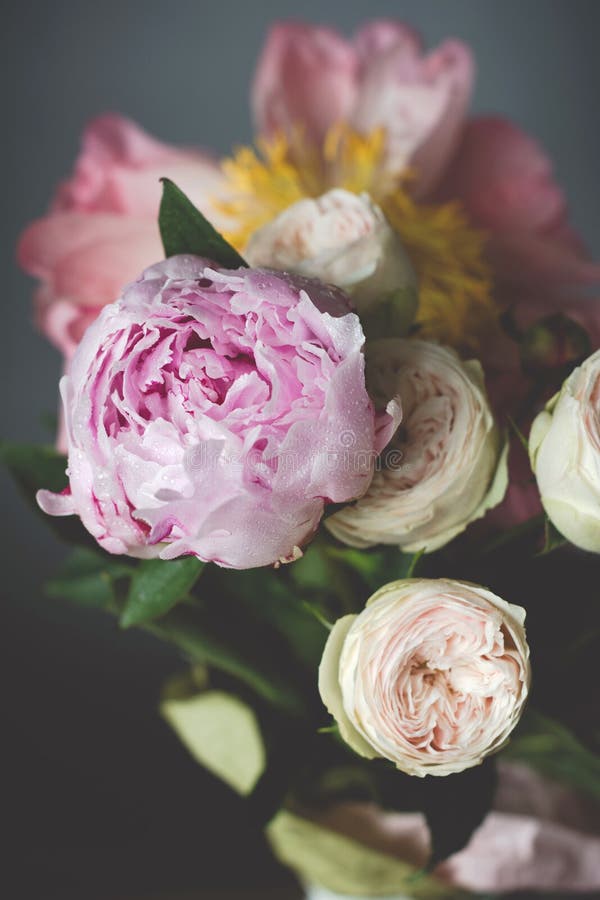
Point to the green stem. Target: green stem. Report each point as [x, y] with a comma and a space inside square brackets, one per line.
[202, 647]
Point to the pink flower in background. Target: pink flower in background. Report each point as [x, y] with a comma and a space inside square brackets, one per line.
[215, 412]
[101, 229]
[539, 835]
[506, 183]
[312, 77]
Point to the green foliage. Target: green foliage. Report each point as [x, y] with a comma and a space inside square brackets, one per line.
[553, 539]
[34, 467]
[88, 579]
[393, 316]
[193, 633]
[184, 229]
[157, 586]
[551, 749]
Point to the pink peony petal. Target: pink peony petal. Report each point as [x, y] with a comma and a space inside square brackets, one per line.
[503, 178]
[306, 77]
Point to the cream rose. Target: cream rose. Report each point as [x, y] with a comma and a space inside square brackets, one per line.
[432, 675]
[343, 239]
[564, 447]
[446, 465]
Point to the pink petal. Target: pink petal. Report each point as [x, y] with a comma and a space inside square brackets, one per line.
[503, 177]
[422, 102]
[527, 258]
[306, 77]
[55, 504]
[119, 170]
[515, 852]
[381, 35]
[88, 258]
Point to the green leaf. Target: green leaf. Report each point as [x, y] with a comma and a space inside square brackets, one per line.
[553, 539]
[184, 229]
[393, 316]
[88, 579]
[35, 467]
[222, 734]
[519, 434]
[268, 596]
[157, 585]
[195, 638]
[550, 748]
[346, 866]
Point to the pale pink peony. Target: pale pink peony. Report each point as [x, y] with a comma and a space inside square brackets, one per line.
[101, 229]
[311, 77]
[432, 675]
[211, 411]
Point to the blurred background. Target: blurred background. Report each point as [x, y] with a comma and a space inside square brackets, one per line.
[101, 800]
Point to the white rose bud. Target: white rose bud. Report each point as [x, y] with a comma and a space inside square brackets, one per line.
[564, 447]
[446, 465]
[432, 675]
[343, 239]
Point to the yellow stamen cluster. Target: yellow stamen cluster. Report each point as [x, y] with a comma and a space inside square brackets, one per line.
[455, 303]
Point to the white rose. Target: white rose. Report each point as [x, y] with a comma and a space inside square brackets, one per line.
[343, 239]
[564, 447]
[446, 465]
[432, 675]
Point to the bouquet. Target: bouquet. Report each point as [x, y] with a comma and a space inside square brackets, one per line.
[330, 425]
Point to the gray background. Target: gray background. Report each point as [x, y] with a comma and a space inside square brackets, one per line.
[182, 69]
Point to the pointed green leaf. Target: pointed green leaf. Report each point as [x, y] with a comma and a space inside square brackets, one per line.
[553, 539]
[88, 579]
[157, 585]
[184, 229]
[34, 467]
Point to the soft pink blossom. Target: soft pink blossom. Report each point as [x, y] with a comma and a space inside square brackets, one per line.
[215, 412]
[312, 77]
[506, 183]
[432, 675]
[101, 229]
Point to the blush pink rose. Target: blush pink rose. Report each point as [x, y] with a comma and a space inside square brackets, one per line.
[312, 77]
[210, 412]
[101, 228]
[432, 675]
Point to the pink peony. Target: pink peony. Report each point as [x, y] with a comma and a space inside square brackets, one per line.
[312, 77]
[101, 229]
[215, 413]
